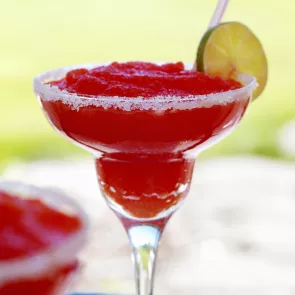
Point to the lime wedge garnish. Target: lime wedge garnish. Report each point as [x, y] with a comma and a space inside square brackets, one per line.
[230, 49]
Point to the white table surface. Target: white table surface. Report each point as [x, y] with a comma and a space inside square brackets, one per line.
[235, 234]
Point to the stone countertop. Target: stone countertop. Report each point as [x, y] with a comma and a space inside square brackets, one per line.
[234, 234]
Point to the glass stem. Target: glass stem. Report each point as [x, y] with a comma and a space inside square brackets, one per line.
[144, 239]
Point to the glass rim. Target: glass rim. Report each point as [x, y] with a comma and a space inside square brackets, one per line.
[51, 258]
[53, 93]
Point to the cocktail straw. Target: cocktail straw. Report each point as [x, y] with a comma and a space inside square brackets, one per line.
[216, 17]
[218, 13]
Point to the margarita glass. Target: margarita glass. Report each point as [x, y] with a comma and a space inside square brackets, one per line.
[51, 269]
[144, 150]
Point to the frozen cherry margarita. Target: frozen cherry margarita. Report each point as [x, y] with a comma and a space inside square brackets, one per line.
[41, 233]
[145, 123]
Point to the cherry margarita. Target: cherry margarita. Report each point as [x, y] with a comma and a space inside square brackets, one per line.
[145, 123]
[38, 245]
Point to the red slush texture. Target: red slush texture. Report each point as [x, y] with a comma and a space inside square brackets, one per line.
[28, 226]
[143, 161]
[144, 186]
[135, 79]
[52, 284]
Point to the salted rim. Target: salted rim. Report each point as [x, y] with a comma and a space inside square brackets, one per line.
[46, 92]
[53, 257]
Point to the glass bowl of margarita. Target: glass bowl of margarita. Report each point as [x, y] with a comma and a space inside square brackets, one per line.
[144, 123]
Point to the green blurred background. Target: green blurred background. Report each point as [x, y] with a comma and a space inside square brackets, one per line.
[37, 35]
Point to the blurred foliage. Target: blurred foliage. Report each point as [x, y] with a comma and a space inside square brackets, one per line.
[40, 35]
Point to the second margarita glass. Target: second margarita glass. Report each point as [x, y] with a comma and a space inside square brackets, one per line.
[50, 217]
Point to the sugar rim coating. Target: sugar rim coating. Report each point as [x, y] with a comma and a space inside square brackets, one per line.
[47, 92]
[44, 261]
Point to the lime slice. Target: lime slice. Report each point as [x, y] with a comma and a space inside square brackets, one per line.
[229, 49]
